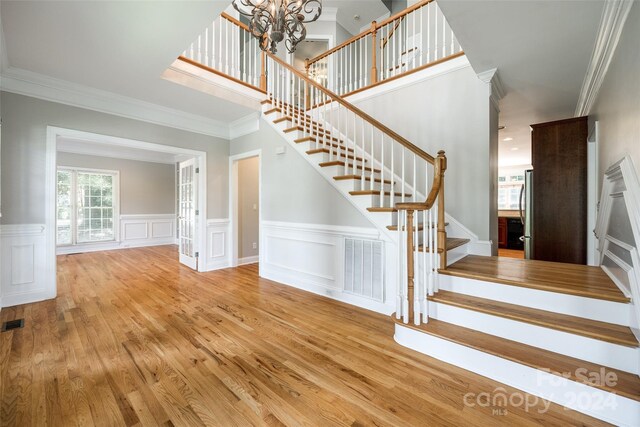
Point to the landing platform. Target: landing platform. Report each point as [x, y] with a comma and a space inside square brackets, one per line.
[573, 279]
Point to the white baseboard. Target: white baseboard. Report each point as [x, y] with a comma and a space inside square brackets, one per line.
[248, 260]
[594, 402]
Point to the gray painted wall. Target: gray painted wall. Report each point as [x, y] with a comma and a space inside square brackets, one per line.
[451, 112]
[617, 107]
[248, 196]
[292, 191]
[25, 120]
[145, 188]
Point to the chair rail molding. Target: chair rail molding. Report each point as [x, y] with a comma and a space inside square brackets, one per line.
[612, 22]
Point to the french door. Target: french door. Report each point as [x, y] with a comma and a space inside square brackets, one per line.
[188, 212]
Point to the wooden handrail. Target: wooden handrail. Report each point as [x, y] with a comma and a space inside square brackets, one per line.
[235, 21]
[340, 46]
[397, 16]
[438, 179]
[226, 76]
[401, 140]
[393, 31]
[404, 12]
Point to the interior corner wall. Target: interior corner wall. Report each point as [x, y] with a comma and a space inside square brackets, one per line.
[25, 121]
[292, 191]
[145, 187]
[248, 207]
[617, 107]
[450, 112]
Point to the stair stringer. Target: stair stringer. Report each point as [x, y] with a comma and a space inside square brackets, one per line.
[454, 229]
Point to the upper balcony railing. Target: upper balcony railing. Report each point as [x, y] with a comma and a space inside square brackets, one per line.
[414, 39]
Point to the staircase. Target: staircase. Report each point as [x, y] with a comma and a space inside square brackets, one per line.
[556, 331]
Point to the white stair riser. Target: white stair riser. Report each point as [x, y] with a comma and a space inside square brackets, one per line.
[377, 201]
[347, 185]
[574, 395]
[596, 351]
[335, 155]
[589, 308]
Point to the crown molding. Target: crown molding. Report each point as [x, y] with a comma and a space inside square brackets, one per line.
[492, 77]
[36, 85]
[244, 126]
[614, 15]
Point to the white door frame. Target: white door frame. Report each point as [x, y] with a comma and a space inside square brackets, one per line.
[53, 133]
[233, 203]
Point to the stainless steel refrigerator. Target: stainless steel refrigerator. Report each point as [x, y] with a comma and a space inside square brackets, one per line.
[526, 213]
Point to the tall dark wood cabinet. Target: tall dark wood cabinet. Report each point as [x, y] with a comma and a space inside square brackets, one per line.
[559, 159]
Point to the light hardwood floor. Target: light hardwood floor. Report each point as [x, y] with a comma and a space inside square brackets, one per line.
[133, 338]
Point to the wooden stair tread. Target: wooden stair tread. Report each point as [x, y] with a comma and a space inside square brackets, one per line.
[265, 101]
[326, 135]
[304, 121]
[573, 279]
[603, 331]
[375, 193]
[358, 177]
[382, 209]
[627, 385]
[451, 243]
[341, 163]
[336, 153]
[420, 226]
[339, 146]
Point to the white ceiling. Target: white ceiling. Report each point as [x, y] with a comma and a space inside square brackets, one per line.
[123, 47]
[541, 50]
[367, 10]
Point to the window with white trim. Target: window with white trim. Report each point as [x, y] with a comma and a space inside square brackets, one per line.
[86, 207]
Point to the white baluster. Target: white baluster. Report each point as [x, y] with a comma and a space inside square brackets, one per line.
[421, 35]
[444, 41]
[405, 271]
[191, 54]
[392, 176]
[381, 168]
[206, 46]
[413, 196]
[400, 268]
[425, 241]
[402, 179]
[415, 39]
[363, 176]
[365, 78]
[417, 299]
[373, 158]
[200, 49]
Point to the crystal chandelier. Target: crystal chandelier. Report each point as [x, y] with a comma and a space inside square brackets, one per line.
[277, 19]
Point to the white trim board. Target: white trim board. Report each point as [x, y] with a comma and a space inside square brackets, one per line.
[50, 189]
[24, 82]
[612, 22]
[233, 202]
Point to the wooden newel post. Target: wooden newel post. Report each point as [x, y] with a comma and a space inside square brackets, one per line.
[263, 70]
[374, 52]
[263, 65]
[307, 87]
[442, 232]
[410, 252]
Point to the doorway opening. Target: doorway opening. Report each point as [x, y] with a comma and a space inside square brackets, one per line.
[96, 198]
[245, 207]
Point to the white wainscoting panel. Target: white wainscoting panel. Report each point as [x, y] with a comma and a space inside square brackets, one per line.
[312, 257]
[24, 275]
[135, 231]
[218, 235]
